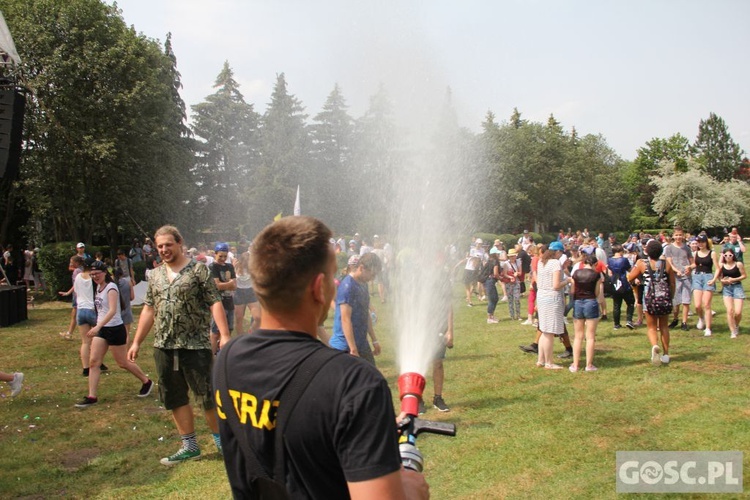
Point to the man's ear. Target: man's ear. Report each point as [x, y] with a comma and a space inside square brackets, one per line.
[318, 287]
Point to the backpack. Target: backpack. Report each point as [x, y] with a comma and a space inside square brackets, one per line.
[658, 297]
[484, 272]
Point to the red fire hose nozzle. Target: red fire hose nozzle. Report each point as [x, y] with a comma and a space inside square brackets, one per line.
[410, 388]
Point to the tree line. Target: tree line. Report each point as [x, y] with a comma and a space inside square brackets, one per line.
[108, 153]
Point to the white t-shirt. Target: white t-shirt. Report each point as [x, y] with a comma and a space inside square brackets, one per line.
[102, 305]
[84, 291]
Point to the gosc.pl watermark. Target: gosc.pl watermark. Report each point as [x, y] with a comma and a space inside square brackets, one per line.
[679, 472]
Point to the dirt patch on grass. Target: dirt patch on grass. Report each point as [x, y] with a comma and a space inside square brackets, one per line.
[74, 460]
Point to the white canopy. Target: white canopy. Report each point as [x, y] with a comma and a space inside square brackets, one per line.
[7, 47]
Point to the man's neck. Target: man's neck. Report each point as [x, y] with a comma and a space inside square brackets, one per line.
[178, 264]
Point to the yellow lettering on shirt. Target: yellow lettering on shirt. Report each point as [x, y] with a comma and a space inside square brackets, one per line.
[248, 411]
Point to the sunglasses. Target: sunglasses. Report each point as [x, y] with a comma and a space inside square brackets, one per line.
[727, 255]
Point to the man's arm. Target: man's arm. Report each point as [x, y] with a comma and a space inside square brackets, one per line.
[220, 318]
[399, 485]
[145, 322]
[346, 325]
[371, 333]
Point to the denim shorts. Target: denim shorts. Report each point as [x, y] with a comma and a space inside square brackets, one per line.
[586, 309]
[683, 293]
[243, 296]
[700, 282]
[86, 317]
[230, 322]
[734, 290]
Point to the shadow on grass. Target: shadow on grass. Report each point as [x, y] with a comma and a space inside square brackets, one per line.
[611, 361]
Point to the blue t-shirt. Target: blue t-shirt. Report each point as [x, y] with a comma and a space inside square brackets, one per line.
[620, 267]
[355, 295]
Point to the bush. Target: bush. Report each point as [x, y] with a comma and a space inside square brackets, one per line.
[53, 261]
[139, 269]
[508, 240]
[487, 238]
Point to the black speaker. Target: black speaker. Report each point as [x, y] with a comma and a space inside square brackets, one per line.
[12, 106]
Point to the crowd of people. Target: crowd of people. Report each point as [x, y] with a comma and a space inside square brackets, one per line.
[197, 298]
[577, 272]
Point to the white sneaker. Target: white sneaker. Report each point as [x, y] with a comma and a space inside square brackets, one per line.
[734, 335]
[665, 359]
[655, 355]
[482, 298]
[713, 313]
[16, 384]
[528, 322]
[700, 324]
[491, 321]
[708, 332]
[504, 299]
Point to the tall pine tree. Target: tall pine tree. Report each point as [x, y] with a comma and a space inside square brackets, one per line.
[716, 150]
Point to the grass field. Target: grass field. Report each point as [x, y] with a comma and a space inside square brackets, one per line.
[523, 432]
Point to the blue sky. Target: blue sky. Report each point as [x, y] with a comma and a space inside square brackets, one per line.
[629, 70]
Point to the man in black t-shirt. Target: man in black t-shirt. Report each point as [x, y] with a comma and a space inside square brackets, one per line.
[340, 440]
[225, 278]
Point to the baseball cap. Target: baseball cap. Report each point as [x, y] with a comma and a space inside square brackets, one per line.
[701, 237]
[81, 245]
[221, 247]
[556, 246]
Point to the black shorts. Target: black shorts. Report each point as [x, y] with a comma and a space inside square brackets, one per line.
[470, 276]
[114, 335]
[182, 370]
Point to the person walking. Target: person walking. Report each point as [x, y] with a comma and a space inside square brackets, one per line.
[705, 273]
[180, 301]
[653, 270]
[109, 334]
[618, 267]
[732, 273]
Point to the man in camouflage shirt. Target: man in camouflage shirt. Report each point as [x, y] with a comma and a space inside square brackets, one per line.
[180, 301]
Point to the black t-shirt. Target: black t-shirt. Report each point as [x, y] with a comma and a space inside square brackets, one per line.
[224, 273]
[342, 429]
[585, 281]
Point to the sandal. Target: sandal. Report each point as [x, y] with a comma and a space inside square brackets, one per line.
[552, 366]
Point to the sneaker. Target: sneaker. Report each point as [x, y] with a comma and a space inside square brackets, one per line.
[713, 313]
[532, 348]
[734, 335]
[66, 335]
[630, 325]
[504, 299]
[591, 368]
[673, 323]
[617, 327]
[528, 322]
[701, 325]
[573, 368]
[565, 354]
[665, 359]
[16, 384]
[422, 408]
[469, 304]
[639, 322]
[438, 403]
[181, 456]
[86, 402]
[552, 366]
[146, 389]
[604, 317]
[85, 372]
[482, 298]
[708, 332]
[685, 327]
[656, 355]
[491, 321]
[103, 367]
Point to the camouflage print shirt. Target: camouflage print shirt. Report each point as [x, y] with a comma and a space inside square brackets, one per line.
[182, 313]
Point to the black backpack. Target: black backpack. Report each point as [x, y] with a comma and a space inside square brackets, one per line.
[485, 270]
[658, 296]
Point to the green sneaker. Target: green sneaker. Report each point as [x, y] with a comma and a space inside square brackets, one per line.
[181, 456]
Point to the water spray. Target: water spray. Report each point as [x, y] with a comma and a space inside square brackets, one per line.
[410, 388]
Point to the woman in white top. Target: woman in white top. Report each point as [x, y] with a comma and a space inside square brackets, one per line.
[550, 302]
[244, 295]
[85, 312]
[109, 332]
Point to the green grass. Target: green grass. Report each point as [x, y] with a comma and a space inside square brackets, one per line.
[523, 432]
